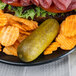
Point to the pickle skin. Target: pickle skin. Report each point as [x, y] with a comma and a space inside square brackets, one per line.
[31, 47]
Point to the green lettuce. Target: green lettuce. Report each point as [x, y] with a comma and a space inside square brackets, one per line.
[2, 5]
[37, 11]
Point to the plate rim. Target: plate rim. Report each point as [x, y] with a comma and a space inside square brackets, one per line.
[38, 63]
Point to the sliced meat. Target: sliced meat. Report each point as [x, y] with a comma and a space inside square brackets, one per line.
[73, 1]
[45, 3]
[36, 2]
[62, 4]
[25, 2]
[66, 3]
[59, 5]
[9, 1]
[72, 5]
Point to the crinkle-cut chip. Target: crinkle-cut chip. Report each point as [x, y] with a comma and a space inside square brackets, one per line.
[1, 28]
[32, 24]
[25, 32]
[65, 42]
[16, 24]
[3, 20]
[52, 48]
[27, 28]
[68, 27]
[1, 11]
[9, 35]
[19, 25]
[21, 37]
[74, 39]
[16, 44]
[0, 47]
[35, 24]
[10, 50]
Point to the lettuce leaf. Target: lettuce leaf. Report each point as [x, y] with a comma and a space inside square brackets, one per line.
[2, 5]
[37, 11]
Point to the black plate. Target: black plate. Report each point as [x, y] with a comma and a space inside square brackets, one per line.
[40, 60]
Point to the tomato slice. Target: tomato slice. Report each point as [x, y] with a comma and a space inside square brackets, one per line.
[55, 10]
[15, 4]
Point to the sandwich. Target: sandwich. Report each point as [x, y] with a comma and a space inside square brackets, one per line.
[20, 34]
[40, 10]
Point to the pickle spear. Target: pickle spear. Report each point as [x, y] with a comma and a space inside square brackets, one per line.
[38, 41]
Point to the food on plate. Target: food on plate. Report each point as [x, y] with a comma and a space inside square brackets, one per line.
[28, 23]
[68, 27]
[66, 38]
[66, 43]
[1, 11]
[13, 31]
[8, 35]
[59, 4]
[21, 37]
[30, 48]
[3, 20]
[53, 47]
[16, 44]
[0, 47]
[10, 50]
[32, 27]
[39, 13]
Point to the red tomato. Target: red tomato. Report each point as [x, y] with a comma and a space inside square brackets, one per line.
[15, 4]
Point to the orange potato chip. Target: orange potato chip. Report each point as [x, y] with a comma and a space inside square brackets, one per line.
[3, 20]
[10, 50]
[16, 44]
[74, 39]
[68, 27]
[9, 35]
[32, 24]
[52, 48]
[27, 28]
[65, 42]
[16, 24]
[25, 32]
[21, 37]
[1, 28]
[1, 11]
[0, 47]
[19, 25]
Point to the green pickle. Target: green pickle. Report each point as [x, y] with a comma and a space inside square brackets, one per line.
[38, 41]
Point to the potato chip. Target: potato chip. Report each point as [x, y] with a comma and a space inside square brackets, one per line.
[52, 48]
[65, 42]
[10, 50]
[16, 44]
[0, 47]
[1, 28]
[16, 24]
[3, 20]
[9, 35]
[19, 25]
[35, 23]
[68, 27]
[32, 24]
[6, 51]
[25, 32]
[1, 11]
[21, 37]
[74, 39]
[27, 28]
